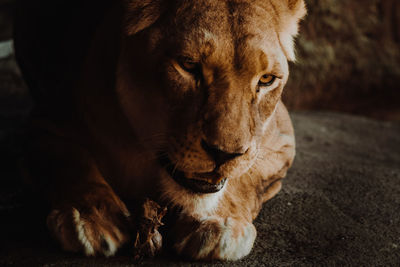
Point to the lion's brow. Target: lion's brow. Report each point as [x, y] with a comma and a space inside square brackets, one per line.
[268, 64]
[209, 42]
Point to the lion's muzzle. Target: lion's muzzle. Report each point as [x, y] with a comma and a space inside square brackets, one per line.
[204, 183]
[220, 156]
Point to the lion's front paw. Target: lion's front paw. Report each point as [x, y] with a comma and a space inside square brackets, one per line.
[222, 239]
[93, 231]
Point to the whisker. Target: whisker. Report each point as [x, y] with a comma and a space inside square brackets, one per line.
[174, 170]
[251, 178]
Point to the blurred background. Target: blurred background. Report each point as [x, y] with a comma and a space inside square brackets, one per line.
[348, 61]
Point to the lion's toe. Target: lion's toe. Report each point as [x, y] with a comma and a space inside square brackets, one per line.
[216, 239]
[91, 233]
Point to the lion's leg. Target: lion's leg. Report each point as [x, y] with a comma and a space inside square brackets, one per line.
[87, 216]
[272, 190]
[271, 173]
[278, 153]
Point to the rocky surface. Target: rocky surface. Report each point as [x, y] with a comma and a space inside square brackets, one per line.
[6, 14]
[348, 58]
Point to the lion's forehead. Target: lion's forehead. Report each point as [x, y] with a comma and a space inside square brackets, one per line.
[241, 35]
[237, 20]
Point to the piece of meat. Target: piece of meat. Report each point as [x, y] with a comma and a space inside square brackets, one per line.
[148, 239]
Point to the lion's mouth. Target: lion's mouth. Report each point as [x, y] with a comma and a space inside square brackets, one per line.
[194, 185]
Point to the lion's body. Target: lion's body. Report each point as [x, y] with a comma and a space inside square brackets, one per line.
[133, 103]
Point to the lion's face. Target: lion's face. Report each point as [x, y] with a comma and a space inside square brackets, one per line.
[199, 80]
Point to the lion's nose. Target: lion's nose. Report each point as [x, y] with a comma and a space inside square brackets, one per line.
[219, 156]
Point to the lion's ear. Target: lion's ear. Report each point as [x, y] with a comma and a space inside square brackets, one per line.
[140, 14]
[291, 11]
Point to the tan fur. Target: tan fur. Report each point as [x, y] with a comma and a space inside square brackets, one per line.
[135, 101]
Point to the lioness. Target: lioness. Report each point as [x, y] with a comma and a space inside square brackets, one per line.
[176, 100]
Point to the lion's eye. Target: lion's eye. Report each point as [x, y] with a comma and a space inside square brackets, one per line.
[266, 80]
[190, 66]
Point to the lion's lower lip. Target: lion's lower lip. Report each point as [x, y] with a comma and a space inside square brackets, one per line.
[199, 186]
[195, 185]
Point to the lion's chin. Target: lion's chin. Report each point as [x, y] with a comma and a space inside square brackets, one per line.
[192, 184]
[199, 186]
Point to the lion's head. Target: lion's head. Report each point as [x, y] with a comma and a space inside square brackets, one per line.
[208, 75]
